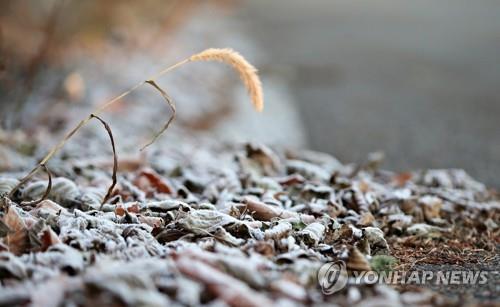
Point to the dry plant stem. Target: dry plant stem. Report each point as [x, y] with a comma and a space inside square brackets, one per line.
[82, 123]
[246, 70]
[24, 180]
[172, 117]
[115, 158]
[47, 191]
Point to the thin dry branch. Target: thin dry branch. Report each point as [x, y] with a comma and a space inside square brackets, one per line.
[115, 158]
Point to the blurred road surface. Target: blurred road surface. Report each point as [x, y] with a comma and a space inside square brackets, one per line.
[419, 80]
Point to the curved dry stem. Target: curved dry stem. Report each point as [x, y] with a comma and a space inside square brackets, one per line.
[247, 72]
[172, 117]
[23, 181]
[115, 158]
[47, 191]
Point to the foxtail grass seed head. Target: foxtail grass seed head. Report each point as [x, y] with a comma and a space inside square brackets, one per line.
[247, 72]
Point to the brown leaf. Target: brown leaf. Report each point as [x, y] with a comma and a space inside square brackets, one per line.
[431, 207]
[291, 180]
[4, 229]
[17, 239]
[134, 208]
[357, 261]
[264, 248]
[119, 210]
[366, 219]
[152, 221]
[263, 211]
[47, 207]
[49, 238]
[401, 178]
[230, 290]
[148, 179]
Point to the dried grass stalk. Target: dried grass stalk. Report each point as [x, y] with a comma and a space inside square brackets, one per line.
[170, 104]
[247, 72]
[115, 158]
[47, 190]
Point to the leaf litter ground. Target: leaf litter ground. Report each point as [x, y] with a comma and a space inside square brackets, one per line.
[238, 224]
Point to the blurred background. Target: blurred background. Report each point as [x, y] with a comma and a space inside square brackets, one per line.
[418, 80]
